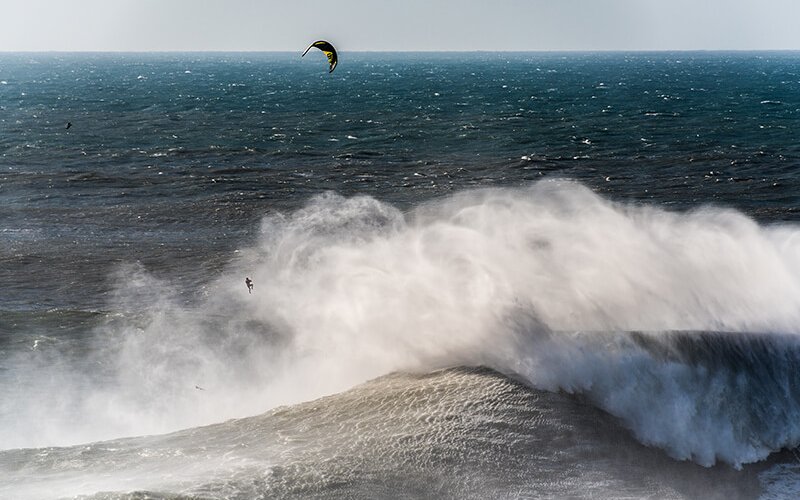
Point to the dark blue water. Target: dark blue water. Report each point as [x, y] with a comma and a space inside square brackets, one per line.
[189, 150]
[181, 173]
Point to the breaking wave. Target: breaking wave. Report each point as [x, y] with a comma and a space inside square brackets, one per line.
[682, 325]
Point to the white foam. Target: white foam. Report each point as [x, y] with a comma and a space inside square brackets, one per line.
[350, 289]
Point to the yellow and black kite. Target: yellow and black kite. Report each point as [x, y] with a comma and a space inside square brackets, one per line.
[329, 51]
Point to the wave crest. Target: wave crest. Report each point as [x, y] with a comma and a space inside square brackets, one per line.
[545, 282]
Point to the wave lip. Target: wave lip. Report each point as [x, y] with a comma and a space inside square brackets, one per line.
[700, 396]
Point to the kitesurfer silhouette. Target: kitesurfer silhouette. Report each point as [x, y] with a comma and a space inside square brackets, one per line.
[249, 283]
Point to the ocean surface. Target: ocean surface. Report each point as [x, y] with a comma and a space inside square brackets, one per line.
[476, 275]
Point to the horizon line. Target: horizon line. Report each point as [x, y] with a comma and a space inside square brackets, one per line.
[423, 51]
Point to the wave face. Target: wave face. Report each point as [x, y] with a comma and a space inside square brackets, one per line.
[458, 433]
[547, 283]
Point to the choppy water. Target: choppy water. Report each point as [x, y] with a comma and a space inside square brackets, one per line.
[613, 236]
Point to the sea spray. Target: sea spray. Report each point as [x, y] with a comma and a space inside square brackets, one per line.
[348, 289]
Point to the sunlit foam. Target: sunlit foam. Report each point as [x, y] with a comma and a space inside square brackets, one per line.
[347, 289]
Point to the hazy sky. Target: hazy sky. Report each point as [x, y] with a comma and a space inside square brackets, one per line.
[357, 25]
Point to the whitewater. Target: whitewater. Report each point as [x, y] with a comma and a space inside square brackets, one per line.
[681, 325]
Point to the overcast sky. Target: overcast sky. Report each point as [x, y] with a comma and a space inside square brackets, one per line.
[359, 25]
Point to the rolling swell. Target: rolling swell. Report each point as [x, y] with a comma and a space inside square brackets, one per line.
[457, 433]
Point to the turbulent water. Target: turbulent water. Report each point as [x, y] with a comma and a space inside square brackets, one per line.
[489, 275]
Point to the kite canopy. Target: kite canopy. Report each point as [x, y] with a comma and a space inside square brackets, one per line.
[329, 51]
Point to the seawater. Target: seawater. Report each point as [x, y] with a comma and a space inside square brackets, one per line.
[611, 235]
